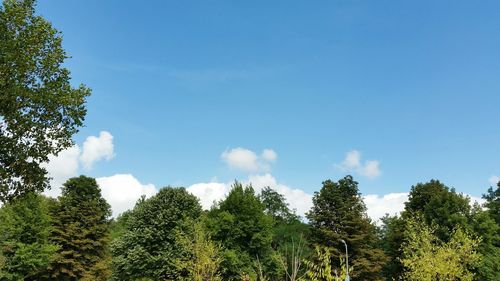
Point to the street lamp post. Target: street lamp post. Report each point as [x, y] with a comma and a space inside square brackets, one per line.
[346, 261]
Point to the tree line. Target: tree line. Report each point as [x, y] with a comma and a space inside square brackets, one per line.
[246, 236]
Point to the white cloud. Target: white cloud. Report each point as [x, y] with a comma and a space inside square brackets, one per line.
[379, 205]
[61, 168]
[269, 155]
[247, 160]
[208, 193]
[122, 191]
[494, 180]
[352, 163]
[67, 163]
[97, 148]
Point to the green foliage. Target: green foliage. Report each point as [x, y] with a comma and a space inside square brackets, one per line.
[39, 109]
[439, 205]
[153, 244]
[321, 269]
[338, 213]
[275, 205]
[442, 207]
[25, 249]
[205, 261]
[245, 231]
[427, 258]
[81, 228]
[392, 234]
[493, 202]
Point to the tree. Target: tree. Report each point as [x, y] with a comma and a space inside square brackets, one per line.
[39, 109]
[439, 205]
[492, 198]
[427, 258]
[245, 231]
[25, 249]
[275, 205]
[338, 213]
[153, 244]
[204, 264]
[81, 229]
[392, 234]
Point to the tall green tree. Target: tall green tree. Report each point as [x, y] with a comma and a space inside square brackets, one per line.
[339, 213]
[39, 109]
[153, 245]
[25, 249]
[245, 231]
[81, 229]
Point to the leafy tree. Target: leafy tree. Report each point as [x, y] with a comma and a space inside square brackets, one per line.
[39, 109]
[205, 261]
[338, 213]
[427, 258]
[245, 231]
[25, 249]
[493, 202]
[81, 229]
[153, 244]
[392, 234]
[275, 205]
[439, 205]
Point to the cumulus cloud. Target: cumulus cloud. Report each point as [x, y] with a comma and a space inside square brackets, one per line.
[379, 205]
[122, 191]
[209, 192]
[62, 167]
[68, 162]
[494, 180]
[97, 148]
[247, 160]
[269, 155]
[352, 163]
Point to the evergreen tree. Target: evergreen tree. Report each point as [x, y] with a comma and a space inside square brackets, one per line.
[25, 249]
[153, 244]
[338, 213]
[81, 229]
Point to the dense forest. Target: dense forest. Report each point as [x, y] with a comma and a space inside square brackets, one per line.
[440, 234]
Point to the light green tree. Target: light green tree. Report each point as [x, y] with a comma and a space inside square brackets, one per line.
[204, 264]
[25, 249]
[426, 258]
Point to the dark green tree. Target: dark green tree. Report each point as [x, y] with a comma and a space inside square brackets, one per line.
[439, 205]
[25, 225]
[339, 213]
[392, 233]
[275, 205]
[493, 202]
[81, 229]
[240, 224]
[39, 109]
[153, 243]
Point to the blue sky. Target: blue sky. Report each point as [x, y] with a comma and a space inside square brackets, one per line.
[413, 85]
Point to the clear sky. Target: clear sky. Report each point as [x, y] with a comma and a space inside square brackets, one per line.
[412, 86]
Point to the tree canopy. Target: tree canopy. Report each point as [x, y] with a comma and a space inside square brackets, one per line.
[338, 213]
[39, 109]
